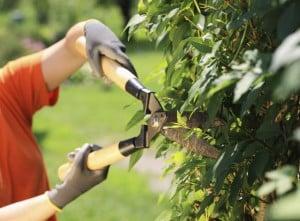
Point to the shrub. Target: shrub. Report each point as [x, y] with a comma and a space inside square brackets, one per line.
[239, 62]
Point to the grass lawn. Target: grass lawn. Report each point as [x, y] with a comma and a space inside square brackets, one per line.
[91, 112]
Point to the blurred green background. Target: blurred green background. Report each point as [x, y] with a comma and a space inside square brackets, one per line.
[88, 110]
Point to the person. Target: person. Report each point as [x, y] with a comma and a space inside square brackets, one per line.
[30, 83]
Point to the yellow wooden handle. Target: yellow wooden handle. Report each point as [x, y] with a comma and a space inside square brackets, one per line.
[112, 69]
[120, 76]
[96, 160]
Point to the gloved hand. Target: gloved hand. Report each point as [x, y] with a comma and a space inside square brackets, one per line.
[79, 180]
[100, 40]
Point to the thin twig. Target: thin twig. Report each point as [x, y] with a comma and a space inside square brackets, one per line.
[260, 199]
[197, 7]
[241, 43]
[207, 6]
[269, 148]
[192, 23]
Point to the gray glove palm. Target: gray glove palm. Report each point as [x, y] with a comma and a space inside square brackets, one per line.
[100, 40]
[79, 180]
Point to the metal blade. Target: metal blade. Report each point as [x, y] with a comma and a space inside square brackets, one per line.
[153, 105]
[155, 123]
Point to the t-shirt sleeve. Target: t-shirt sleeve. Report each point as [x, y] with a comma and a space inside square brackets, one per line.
[24, 82]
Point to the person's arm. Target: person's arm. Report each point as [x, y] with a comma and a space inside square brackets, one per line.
[33, 209]
[79, 180]
[62, 59]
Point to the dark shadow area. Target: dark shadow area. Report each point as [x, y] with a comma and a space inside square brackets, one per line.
[41, 136]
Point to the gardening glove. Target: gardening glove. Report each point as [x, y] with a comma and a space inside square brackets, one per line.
[101, 41]
[79, 180]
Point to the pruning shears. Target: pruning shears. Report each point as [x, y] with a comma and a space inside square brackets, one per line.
[158, 118]
[151, 106]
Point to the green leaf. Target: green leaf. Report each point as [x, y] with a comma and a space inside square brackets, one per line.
[161, 38]
[284, 178]
[200, 45]
[181, 119]
[221, 83]
[178, 158]
[243, 85]
[289, 82]
[266, 188]
[251, 99]
[206, 203]
[269, 128]
[251, 149]
[297, 134]
[135, 20]
[286, 208]
[200, 85]
[213, 106]
[164, 216]
[236, 187]
[285, 171]
[287, 52]
[201, 22]
[178, 54]
[238, 21]
[172, 13]
[137, 117]
[216, 47]
[223, 165]
[134, 158]
[283, 186]
[280, 180]
[162, 147]
[258, 166]
[179, 33]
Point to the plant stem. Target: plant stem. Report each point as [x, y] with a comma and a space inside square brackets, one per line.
[192, 23]
[207, 6]
[197, 6]
[260, 199]
[241, 43]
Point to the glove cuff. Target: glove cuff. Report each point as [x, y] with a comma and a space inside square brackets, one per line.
[60, 196]
[51, 203]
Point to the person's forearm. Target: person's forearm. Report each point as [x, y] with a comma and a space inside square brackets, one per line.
[35, 209]
[61, 60]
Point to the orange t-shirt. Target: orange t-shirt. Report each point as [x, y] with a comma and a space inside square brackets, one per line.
[22, 93]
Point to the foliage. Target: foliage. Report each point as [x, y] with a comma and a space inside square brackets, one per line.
[11, 47]
[42, 10]
[45, 22]
[8, 4]
[238, 61]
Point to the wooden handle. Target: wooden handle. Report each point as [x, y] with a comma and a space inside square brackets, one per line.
[112, 69]
[96, 160]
